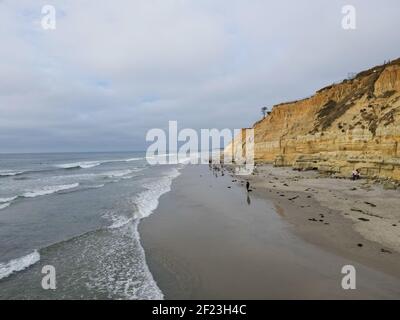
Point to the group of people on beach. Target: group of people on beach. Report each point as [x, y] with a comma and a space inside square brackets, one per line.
[219, 168]
[216, 168]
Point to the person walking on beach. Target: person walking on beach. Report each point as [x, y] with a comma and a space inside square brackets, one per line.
[356, 174]
[248, 186]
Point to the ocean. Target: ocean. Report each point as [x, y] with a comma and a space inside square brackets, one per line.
[78, 212]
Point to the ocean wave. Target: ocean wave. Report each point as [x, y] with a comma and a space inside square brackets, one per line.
[112, 262]
[6, 202]
[92, 164]
[117, 221]
[4, 205]
[10, 173]
[147, 201]
[49, 190]
[133, 159]
[79, 165]
[117, 173]
[72, 165]
[120, 173]
[97, 186]
[19, 264]
[3, 200]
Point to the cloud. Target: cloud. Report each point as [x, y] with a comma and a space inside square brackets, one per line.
[113, 70]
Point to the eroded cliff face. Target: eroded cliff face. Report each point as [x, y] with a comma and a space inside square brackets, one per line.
[354, 124]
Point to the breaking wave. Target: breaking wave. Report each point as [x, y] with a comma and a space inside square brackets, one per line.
[49, 190]
[19, 264]
[92, 164]
[79, 165]
[3, 200]
[4, 205]
[10, 173]
[147, 201]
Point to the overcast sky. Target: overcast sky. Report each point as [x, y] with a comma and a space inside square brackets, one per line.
[111, 70]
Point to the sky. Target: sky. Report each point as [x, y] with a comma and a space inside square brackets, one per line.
[112, 70]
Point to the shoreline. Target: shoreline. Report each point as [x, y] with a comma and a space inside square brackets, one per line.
[209, 240]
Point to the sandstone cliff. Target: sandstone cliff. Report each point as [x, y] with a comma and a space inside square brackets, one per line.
[353, 124]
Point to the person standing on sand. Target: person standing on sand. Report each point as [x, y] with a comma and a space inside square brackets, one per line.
[248, 186]
[356, 174]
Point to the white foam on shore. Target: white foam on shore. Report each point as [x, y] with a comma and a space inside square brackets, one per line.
[118, 221]
[136, 280]
[49, 190]
[120, 268]
[19, 264]
[147, 201]
[4, 205]
[150, 290]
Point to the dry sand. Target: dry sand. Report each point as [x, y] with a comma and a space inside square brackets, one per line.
[209, 240]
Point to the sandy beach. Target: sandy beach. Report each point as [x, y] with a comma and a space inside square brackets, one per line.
[287, 239]
[361, 218]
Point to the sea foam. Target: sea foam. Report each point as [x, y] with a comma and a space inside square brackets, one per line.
[10, 173]
[4, 205]
[49, 190]
[19, 264]
[3, 200]
[92, 164]
[147, 201]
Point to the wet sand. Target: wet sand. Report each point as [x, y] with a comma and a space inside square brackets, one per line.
[355, 219]
[209, 240]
